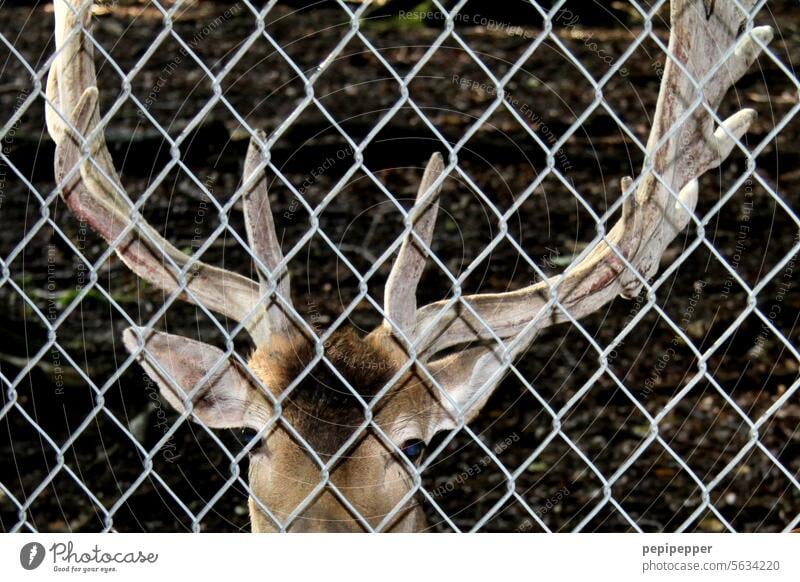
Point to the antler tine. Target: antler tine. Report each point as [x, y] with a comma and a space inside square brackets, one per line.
[400, 295]
[97, 195]
[261, 234]
[681, 147]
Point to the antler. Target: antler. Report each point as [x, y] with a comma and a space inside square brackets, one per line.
[400, 296]
[96, 195]
[682, 146]
[705, 61]
[261, 234]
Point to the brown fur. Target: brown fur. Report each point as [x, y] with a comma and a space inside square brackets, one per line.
[326, 413]
[320, 405]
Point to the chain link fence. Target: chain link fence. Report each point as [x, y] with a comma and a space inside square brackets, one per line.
[675, 411]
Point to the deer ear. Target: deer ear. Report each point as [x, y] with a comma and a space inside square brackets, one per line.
[179, 366]
[469, 378]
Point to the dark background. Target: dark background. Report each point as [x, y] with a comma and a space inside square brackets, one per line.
[749, 368]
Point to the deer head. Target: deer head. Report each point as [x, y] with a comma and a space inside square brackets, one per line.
[341, 420]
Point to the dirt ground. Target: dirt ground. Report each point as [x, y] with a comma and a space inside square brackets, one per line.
[589, 477]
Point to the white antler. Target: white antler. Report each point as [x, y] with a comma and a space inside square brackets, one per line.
[400, 296]
[705, 61]
[261, 234]
[682, 146]
[95, 193]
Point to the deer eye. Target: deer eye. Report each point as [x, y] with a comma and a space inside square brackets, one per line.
[413, 449]
[248, 436]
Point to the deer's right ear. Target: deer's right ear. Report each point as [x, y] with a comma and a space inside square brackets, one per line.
[469, 377]
[179, 365]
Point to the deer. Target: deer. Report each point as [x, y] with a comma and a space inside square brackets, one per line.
[324, 459]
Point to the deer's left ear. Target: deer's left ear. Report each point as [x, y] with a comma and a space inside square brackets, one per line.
[180, 365]
[469, 378]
